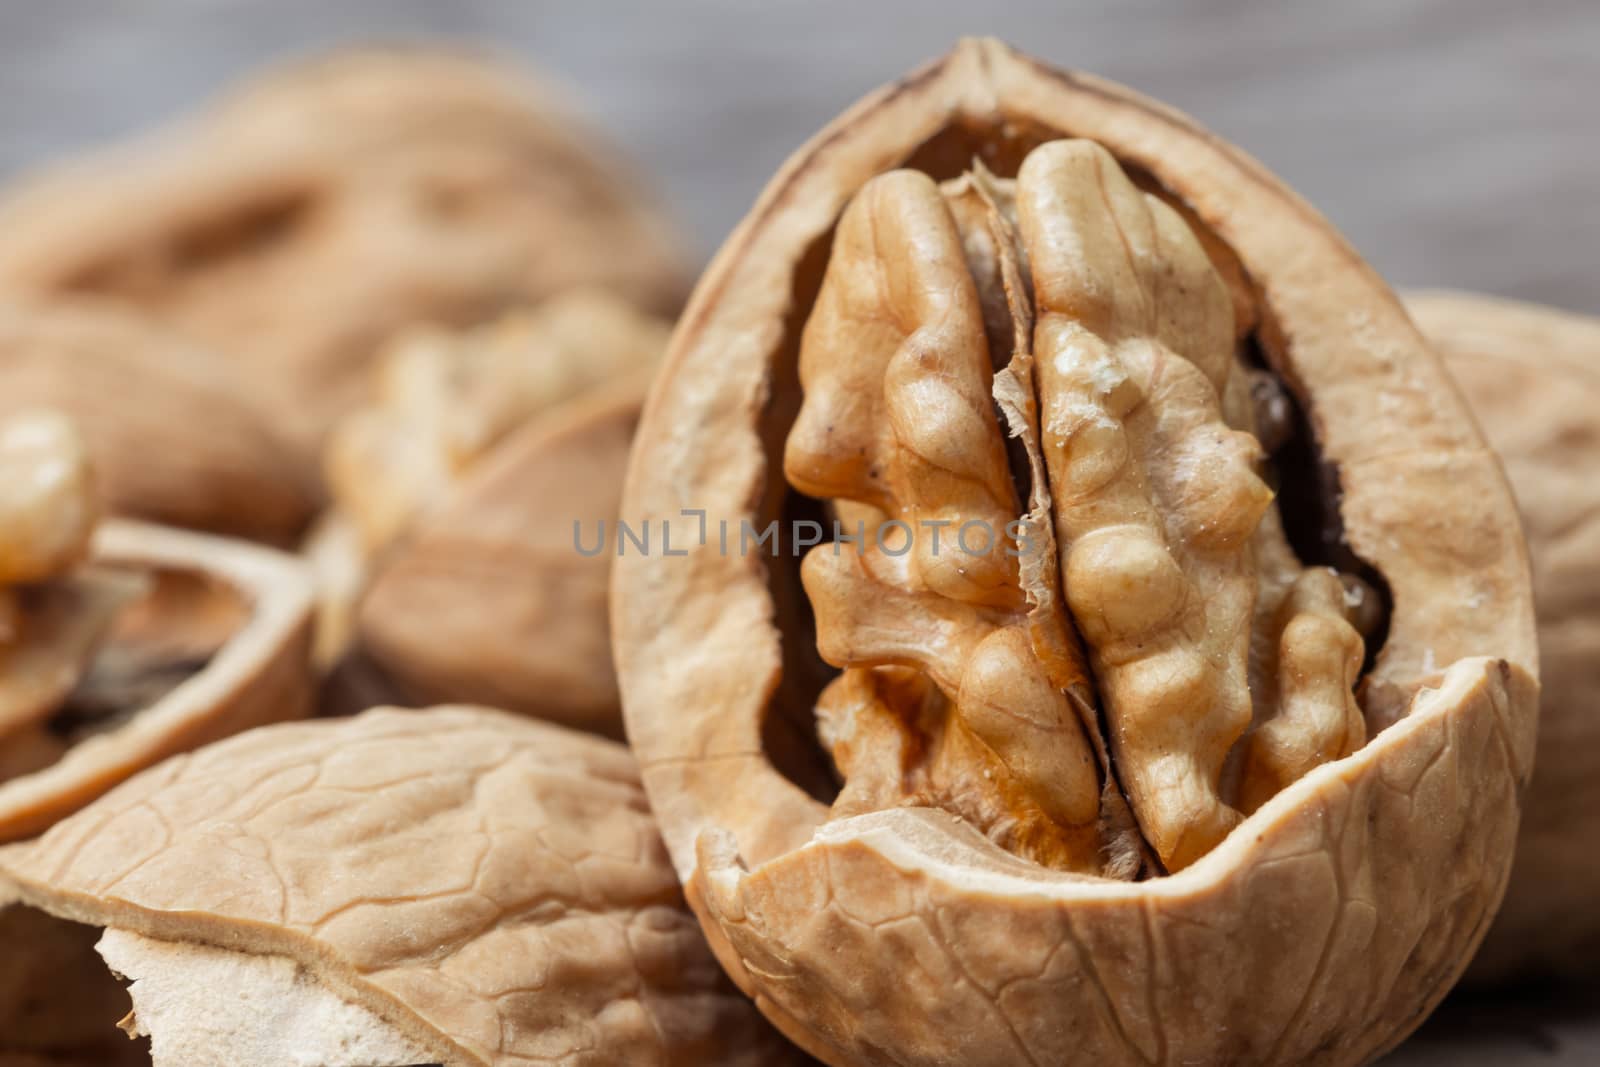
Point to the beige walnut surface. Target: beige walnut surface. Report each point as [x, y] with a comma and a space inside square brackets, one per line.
[304, 218]
[489, 598]
[174, 436]
[461, 497]
[490, 888]
[1532, 376]
[1325, 926]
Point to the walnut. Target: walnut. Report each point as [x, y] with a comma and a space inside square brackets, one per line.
[462, 572]
[315, 212]
[1204, 745]
[50, 619]
[173, 436]
[123, 643]
[1532, 376]
[446, 400]
[456, 886]
[47, 500]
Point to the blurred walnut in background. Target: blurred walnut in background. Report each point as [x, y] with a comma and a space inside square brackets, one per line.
[444, 400]
[54, 613]
[302, 221]
[1532, 376]
[173, 435]
[122, 643]
[450, 561]
[325, 219]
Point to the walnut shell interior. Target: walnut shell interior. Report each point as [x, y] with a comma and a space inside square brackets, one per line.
[1318, 922]
[203, 637]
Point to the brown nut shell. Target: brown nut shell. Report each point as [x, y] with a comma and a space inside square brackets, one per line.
[171, 432]
[219, 644]
[313, 212]
[489, 597]
[47, 499]
[492, 888]
[1329, 922]
[1532, 376]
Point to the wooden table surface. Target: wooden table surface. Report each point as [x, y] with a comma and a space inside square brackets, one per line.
[1455, 142]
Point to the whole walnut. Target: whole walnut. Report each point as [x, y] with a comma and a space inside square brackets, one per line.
[1532, 376]
[307, 217]
[1080, 620]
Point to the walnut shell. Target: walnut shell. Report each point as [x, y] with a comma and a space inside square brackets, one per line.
[453, 563]
[492, 889]
[1532, 376]
[47, 497]
[309, 215]
[218, 643]
[172, 435]
[1320, 928]
[53, 613]
[488, 598]
[446, 399]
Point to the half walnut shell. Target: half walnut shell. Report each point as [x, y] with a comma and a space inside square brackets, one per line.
[1532, 376]
[1222, 763]
[457, 886]
[215, 640]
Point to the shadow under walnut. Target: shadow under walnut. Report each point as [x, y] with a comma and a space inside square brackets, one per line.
[174, 435]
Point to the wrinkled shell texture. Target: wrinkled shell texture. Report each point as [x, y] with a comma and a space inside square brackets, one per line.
[299, 222]
[492, 886]
[465, 482]
[1532, 376]
[1254, 860]
[171, 434]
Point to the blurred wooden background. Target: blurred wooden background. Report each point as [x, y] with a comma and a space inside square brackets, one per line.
[1455, 142]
